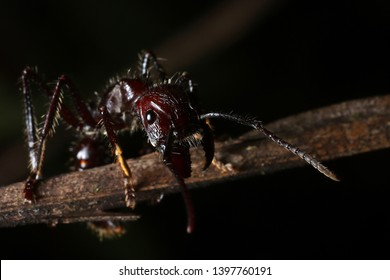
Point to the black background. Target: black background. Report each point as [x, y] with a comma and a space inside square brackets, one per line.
[297, 56]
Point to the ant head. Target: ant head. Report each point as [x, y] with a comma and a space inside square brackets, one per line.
[166, 110]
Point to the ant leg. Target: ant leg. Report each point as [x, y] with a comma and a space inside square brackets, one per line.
[190, 87]
[36, 143]
[79, 103]
[28, 75]
[36, 138]
[89, 152]
[31, 123]
[145, 59]
[66, 114]
[109, 127]
[168, 161]
[259, 126]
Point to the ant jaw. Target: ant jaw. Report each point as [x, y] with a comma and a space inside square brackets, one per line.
[208, 144]
[203, 136]
[178, 161]
[191, 140]
[181, 161]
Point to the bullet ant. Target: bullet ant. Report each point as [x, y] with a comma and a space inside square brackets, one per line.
[167, 109]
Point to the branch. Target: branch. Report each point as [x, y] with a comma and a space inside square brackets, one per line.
[332, 132]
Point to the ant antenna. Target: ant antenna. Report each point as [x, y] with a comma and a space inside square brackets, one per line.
[259, 126]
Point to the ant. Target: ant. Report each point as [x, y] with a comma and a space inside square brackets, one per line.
[166, 108]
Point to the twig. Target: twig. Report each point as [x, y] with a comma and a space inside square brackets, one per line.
[332, 132]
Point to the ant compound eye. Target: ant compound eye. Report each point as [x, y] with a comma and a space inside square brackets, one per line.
[151, 116]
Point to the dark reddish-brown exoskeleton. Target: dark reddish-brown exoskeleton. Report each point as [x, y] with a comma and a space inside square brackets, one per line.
[166, 108]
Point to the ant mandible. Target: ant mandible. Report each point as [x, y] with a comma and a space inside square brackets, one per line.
[166, 108]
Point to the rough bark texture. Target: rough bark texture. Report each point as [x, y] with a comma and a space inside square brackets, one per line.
[332, 132]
